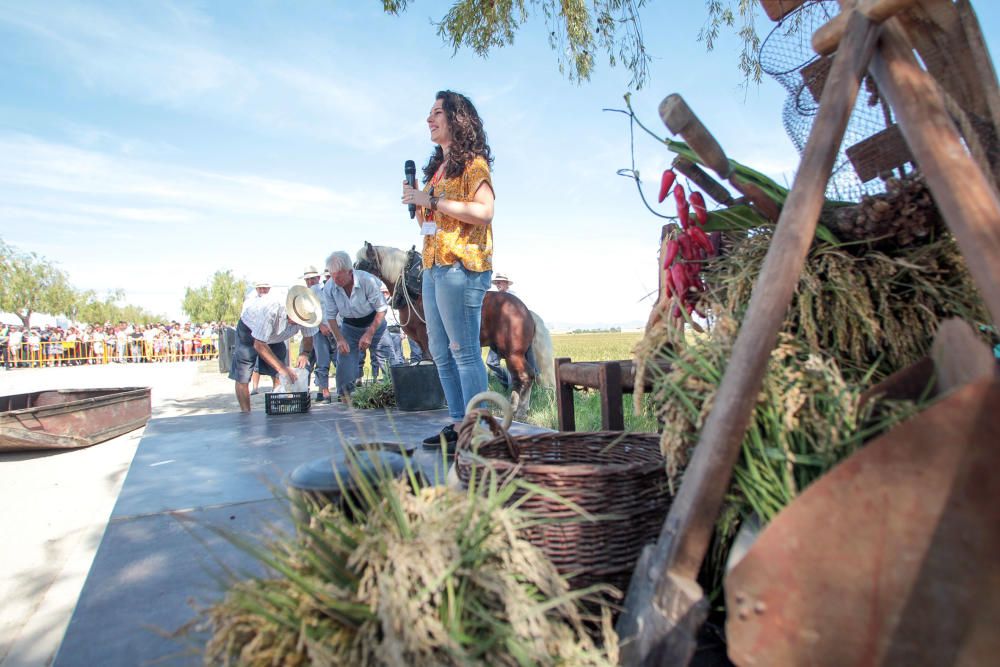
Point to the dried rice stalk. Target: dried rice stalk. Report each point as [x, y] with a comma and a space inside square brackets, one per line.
[875, 309]
[432, 577]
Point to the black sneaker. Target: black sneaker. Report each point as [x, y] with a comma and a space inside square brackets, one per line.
[448, 434]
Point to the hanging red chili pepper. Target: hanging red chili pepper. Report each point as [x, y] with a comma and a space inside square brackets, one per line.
[679, 276]
[698, 204]
[701, 238]
[687, 247]
[679, 195]
[666, 182]
[684, 215]
[671, 252]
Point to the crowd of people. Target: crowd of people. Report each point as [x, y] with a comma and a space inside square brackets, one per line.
[124, 342]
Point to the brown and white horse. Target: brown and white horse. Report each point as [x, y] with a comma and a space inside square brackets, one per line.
[507, 324]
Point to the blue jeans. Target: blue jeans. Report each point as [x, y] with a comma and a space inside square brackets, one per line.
[453, 306]
[493, 364]
[394, 343]
[347, 364]
[321, 346]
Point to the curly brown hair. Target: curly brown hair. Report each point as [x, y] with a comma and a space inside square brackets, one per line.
[468, 138]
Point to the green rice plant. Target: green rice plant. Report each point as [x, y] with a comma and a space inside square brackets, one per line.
[406, 574]
[808, 416]
[376, 394]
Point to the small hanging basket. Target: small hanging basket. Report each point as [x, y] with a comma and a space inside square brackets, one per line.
[617, 478]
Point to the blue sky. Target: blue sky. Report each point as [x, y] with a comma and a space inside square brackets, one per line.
[144, 145]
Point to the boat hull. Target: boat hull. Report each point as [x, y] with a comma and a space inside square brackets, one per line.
[71, 418]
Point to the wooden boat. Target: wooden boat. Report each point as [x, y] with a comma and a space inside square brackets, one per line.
[71, 418]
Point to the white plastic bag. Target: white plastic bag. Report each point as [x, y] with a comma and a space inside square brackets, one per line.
[300, 383]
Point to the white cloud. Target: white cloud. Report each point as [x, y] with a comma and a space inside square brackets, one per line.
[171, 57]
[109, 218]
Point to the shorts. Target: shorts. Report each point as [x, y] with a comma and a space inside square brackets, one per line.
[245, 356]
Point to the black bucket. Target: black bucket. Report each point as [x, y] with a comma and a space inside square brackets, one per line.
[319, 481]
[227, 345]
[417, 386]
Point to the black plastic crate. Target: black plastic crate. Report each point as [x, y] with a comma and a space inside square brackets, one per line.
[290, 403]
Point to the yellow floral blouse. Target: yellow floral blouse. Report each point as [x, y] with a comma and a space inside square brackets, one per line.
[456, 240]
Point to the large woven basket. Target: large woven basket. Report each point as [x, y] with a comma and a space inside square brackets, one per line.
[619, 477]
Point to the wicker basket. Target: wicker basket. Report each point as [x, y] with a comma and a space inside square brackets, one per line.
[618, 476]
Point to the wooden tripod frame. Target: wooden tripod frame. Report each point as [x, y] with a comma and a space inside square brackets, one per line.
[665, 606]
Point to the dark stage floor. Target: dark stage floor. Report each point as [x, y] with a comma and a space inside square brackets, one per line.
[157, 557]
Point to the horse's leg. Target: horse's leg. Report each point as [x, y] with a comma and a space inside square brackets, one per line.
[420, 327]
[521, 383]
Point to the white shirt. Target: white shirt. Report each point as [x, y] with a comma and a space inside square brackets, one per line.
[268, 321]
[366, 296]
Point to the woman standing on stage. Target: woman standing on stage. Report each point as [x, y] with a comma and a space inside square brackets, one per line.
[455, 211]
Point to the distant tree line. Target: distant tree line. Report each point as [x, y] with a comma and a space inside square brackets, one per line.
[220, 300]
[30, 283]
[588, 331]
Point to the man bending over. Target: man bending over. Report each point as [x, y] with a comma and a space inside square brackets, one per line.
[265, 324]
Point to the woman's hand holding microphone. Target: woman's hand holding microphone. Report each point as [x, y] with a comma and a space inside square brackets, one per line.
[422, 200]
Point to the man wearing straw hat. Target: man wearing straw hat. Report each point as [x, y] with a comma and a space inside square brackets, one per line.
[264, 326]
[321, 342]
[261, 288]
[502, 283]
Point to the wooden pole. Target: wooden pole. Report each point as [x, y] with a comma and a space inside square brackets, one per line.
[826, 39]
[680, 119]
[712, 187]
[665, 605]
[961, 190]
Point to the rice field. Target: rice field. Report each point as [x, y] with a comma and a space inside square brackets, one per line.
[595, 346]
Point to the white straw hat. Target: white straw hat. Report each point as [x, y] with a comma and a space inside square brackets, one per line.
[310, 272]
[303, 306]
[501, 278]
[262, 283]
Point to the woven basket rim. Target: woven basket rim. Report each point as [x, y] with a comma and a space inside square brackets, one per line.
[574, 468]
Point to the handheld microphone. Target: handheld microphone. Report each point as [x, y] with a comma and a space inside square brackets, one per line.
[410, 170]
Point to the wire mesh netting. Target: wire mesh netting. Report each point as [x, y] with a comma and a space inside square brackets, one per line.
[788, 57]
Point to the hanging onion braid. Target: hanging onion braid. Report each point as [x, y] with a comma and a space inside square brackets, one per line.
[468, 138]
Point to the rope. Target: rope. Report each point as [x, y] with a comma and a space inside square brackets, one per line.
[400, 282]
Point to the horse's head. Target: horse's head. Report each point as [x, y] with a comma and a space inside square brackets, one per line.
[382, 262]
[368, 260]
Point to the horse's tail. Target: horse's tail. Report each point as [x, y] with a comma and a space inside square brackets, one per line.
[541, 344]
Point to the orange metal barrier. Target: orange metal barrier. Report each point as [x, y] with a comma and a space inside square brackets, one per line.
[131, 350]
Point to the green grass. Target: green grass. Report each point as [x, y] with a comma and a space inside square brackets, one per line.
[587, 403]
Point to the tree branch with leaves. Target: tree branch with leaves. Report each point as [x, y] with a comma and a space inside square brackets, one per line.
[579, 31]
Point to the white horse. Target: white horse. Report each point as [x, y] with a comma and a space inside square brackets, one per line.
[507, 325]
